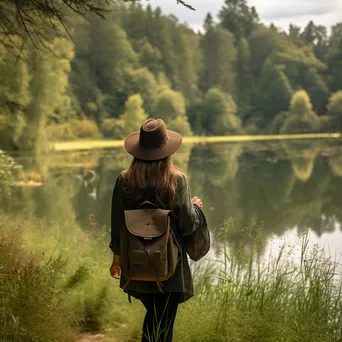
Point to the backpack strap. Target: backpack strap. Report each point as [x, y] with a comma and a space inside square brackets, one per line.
[159, 284]
[147, 204]
[126, 283]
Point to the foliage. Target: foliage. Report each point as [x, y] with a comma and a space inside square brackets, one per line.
[73, 129]
[8, 171]
[128, 122]
[151, 58]
[180, 125]
[169, 104]
[238, 17]
[134, 114]
[121, 51]
[278, 122]
[110, 63]
[38, 21]
[142, 81]
[298, 124]
[273, 93]
[14, 97]
[301, 105]
[112, 128]
[264, 300]
[335, 107]
[301, 118]
[31, 293]
[220, 113]
[245, 79]
[219, 56]
[333, 58]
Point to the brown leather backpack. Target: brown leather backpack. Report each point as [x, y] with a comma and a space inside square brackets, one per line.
[148, 247]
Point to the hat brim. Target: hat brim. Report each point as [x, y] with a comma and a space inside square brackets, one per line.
[133, 147]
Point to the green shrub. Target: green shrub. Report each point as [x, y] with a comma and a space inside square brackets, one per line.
[8, 172]
[73, 129]
[335, 106]
[294, 124]
[31, 294]
[180, 125]
[300, 117]
[113, 128]
[85, 128]
[278, 122]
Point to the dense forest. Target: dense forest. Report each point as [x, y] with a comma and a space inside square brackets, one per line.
[236, 76]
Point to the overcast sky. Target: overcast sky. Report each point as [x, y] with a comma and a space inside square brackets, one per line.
[279, 12]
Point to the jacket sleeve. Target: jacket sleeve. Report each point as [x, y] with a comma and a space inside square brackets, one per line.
[188, 218]
[117, 215]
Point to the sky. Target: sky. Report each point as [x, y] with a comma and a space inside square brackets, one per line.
[279, 12]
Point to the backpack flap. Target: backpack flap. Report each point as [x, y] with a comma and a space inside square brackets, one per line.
[147, 223]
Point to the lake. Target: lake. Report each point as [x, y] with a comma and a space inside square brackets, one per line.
[283, 188]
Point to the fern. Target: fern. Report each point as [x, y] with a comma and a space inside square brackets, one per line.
[78, 278]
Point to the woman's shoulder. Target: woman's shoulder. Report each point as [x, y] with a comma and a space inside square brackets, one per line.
[120, 180]
[182, 180]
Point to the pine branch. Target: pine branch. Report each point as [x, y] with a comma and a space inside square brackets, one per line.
[36, 20]
[185, 4]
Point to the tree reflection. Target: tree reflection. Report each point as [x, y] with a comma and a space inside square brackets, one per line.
[289, 186]
[275, 187]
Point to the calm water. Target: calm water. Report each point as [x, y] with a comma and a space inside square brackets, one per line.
[284, 188]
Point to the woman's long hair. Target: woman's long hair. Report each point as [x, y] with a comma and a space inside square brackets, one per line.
[152, 178]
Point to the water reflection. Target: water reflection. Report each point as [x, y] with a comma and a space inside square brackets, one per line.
[276, 186]
[86, 196]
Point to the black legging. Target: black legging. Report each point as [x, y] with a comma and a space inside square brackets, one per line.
[160, 316]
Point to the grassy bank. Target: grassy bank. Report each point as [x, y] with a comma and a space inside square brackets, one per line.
[282, 299]
[55, 283]
[97, 144]
[238, 297]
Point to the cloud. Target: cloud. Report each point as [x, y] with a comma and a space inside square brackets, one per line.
[292, 13]
[281, 13]
[327, 12]
[292, 9]
[193, 18]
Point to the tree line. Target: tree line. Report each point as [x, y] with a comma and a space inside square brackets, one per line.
[236, 76]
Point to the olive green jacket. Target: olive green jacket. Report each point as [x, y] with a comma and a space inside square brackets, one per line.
[184, 222]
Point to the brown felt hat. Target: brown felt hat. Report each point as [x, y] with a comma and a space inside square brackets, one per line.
[153, 142]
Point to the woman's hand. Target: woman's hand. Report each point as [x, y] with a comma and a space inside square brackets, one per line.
[115, 269]
[197, 201]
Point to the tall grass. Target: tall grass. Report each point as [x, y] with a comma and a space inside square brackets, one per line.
[31, 293]
[55, 283]
[239, 297]
[92, 295]
[279, 299]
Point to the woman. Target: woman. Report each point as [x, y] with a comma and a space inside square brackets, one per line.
[153, 177]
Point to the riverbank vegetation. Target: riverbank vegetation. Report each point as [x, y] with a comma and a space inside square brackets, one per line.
[236, 76]
[243, 296]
